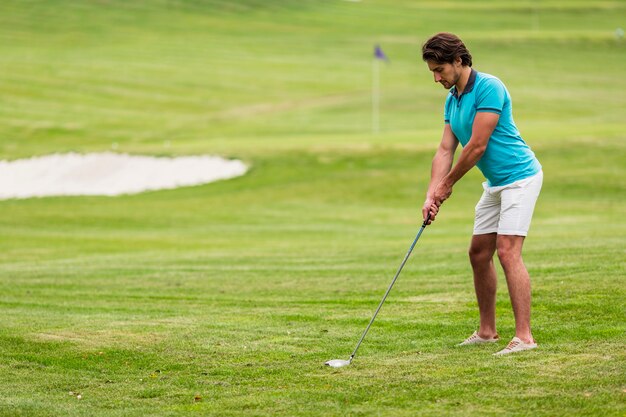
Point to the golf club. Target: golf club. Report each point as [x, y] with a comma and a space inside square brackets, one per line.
[339, 363]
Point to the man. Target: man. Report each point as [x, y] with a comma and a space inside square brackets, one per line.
[478, 114]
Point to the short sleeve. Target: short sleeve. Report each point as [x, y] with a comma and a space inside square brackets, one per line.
[446, 110]
[491, 97]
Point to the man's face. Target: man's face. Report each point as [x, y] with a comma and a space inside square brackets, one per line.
[446, 74]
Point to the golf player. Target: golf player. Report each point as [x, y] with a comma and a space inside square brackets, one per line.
[478, 114]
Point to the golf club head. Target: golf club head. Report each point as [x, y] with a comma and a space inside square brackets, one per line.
[337, 363]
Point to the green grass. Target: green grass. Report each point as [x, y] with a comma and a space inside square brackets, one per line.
[226, 299]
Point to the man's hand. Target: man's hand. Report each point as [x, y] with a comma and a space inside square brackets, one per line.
[429, 207]
[442, 192]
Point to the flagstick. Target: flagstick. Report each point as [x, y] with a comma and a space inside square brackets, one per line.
[375, 96]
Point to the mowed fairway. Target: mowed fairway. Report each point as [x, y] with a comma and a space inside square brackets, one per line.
[226, 299]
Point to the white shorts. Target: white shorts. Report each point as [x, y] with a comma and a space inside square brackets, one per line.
[508, 209]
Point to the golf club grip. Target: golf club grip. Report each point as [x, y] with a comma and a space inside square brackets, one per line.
[426, 220]
[419, 233]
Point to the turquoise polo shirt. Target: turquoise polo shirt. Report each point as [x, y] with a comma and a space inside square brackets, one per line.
[507, 158]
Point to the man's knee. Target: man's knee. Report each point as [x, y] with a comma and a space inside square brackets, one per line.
[479, 255]
[509, 249]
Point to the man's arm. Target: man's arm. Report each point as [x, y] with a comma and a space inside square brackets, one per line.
[442, 162]
[484, 124]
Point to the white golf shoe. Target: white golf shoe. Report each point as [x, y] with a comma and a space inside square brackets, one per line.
[474, 339]
[516, 345]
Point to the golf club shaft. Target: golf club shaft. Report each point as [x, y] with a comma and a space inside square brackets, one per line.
[391, 285]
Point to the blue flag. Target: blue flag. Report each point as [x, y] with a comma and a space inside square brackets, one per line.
[379, 54]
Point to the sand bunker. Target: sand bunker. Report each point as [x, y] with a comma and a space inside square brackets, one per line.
[109, 174]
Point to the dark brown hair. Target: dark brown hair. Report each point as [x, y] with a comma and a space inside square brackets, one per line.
[444, 48]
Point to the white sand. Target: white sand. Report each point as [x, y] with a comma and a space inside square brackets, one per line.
[109, 174]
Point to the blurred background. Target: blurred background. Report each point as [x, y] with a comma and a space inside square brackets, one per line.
[176, 76]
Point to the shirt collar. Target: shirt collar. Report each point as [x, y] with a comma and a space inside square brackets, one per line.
[469, 87]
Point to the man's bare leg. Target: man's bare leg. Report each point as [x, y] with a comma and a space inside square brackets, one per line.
[481, 254]
[510, 254]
